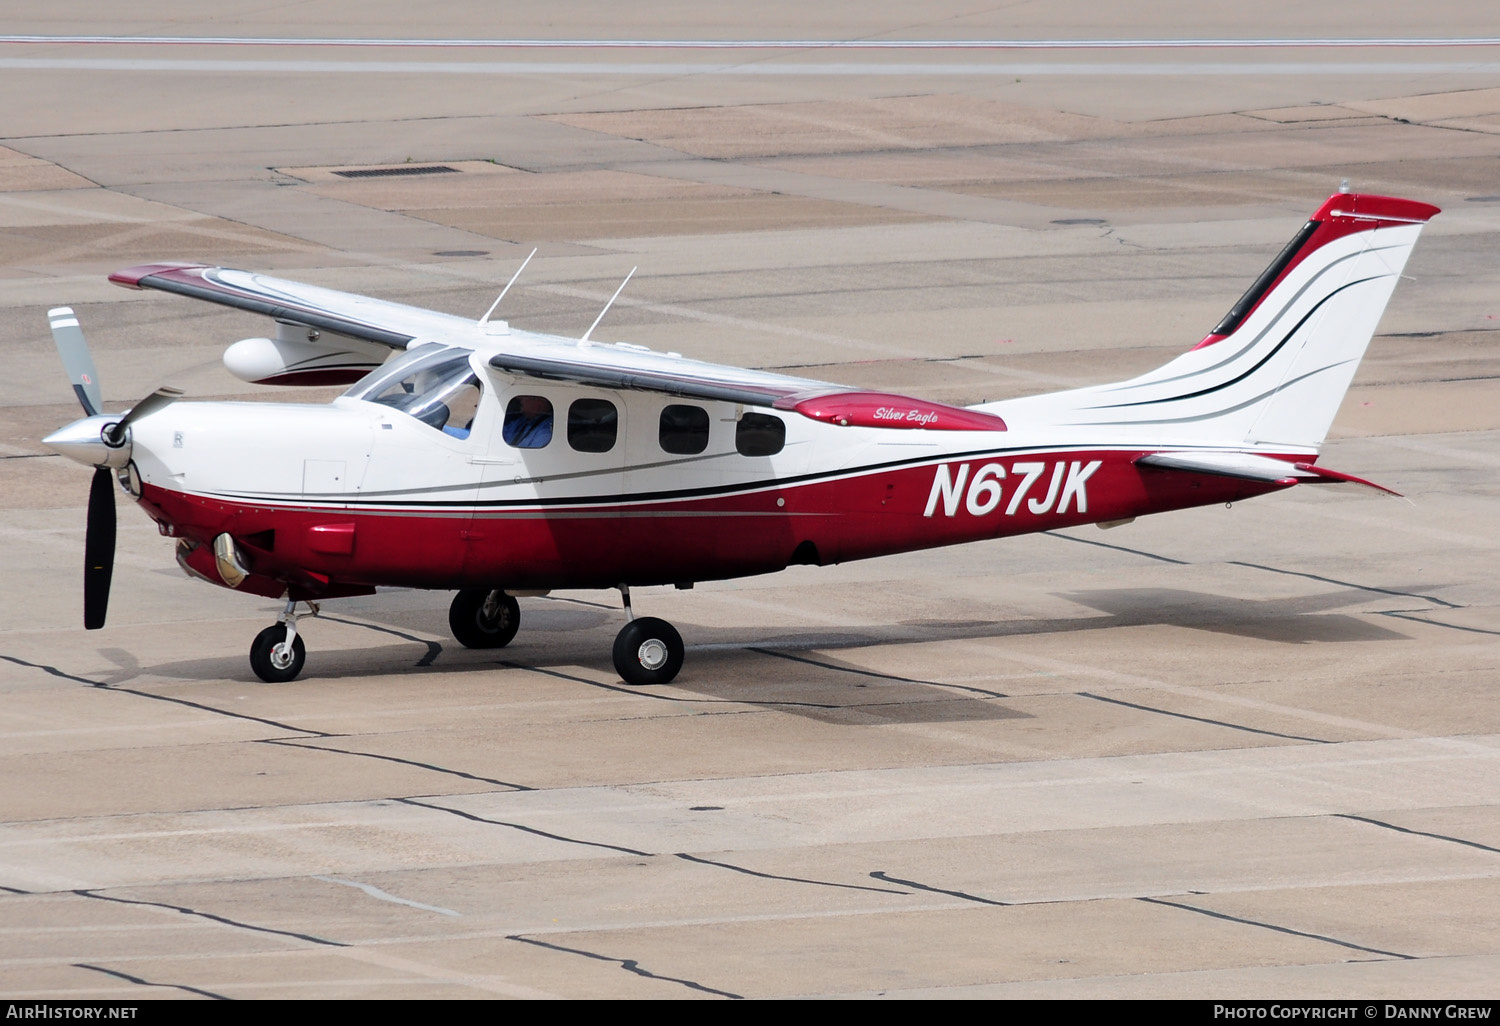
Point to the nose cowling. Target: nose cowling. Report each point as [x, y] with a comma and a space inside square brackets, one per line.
[90, 441]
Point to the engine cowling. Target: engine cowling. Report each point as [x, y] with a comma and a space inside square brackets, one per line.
[300, 355]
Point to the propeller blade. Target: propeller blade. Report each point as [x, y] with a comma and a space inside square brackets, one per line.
[164, 396]
[99, 549]
[76, 358]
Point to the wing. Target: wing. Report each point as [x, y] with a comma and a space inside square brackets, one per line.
[525, 354]
[344, 313]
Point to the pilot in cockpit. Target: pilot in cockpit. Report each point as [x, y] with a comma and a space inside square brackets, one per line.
[528, 422]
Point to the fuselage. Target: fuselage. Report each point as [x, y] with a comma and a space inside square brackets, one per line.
[633, 488]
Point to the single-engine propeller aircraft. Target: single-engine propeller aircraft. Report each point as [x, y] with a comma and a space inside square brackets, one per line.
[471, 456]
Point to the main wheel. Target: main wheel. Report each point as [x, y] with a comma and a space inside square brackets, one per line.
[272, 660]
[648, 651]
[476, 626]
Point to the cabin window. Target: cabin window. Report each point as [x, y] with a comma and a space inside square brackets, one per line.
[684, 430]
[528, 422]
[759, 435]
[593, 425]
[433, 384]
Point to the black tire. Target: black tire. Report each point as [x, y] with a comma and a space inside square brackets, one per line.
[473, 629]
[265, 662]
[648, 651]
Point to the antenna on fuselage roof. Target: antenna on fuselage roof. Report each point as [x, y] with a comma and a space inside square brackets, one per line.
[486, 318]
[586, 334]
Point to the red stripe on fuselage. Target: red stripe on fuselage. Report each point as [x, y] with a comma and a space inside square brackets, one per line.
[751, 531]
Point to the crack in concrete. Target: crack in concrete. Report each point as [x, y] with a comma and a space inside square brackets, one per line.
[882, 875]
[872, 673]
[1272, 926]
[224, 920]
[1201, 719]
[629, 965]
[774, 876]
[105, 686]
[1418, 833]
[525, 829]
[396, 759]
[434, 649]
[148, 983]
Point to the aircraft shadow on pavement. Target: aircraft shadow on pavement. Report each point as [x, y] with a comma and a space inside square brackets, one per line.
[797, 671]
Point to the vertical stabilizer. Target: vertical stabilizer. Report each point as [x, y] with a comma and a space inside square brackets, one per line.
[1273, 372]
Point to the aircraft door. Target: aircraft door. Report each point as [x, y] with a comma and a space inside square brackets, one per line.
[421, 480]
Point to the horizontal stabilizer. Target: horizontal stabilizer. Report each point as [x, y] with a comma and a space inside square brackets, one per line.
[1250, 467]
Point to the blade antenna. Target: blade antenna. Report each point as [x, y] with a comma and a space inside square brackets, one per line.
[611, 303]
[486, 318]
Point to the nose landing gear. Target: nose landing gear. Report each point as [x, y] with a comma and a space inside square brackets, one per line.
[277, 653]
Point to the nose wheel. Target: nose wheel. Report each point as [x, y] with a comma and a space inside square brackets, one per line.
[275, 658]
[647, 650]
[277, 654]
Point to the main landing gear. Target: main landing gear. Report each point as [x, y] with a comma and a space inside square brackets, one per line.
[277, 653]
[484, 618]
[647, 650]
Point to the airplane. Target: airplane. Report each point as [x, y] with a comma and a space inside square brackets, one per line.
[466, 455]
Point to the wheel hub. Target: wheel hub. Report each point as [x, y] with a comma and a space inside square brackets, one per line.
[281, 655]
[652, 654]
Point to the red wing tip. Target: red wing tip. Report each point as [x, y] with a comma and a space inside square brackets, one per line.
[130, 277]
[1333, 475]
[888, 410]
[1364, 206]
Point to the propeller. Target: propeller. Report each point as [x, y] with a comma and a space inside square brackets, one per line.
[76, 358]
[103, 446]
[99, 550]
[164, 396]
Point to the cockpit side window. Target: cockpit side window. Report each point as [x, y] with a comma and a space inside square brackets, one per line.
[434, 384]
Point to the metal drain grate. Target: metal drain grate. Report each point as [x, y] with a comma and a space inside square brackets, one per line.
[392, 172]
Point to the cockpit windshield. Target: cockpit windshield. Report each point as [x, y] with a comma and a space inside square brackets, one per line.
[432, 383]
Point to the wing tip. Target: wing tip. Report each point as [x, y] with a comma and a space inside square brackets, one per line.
[131, 277]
